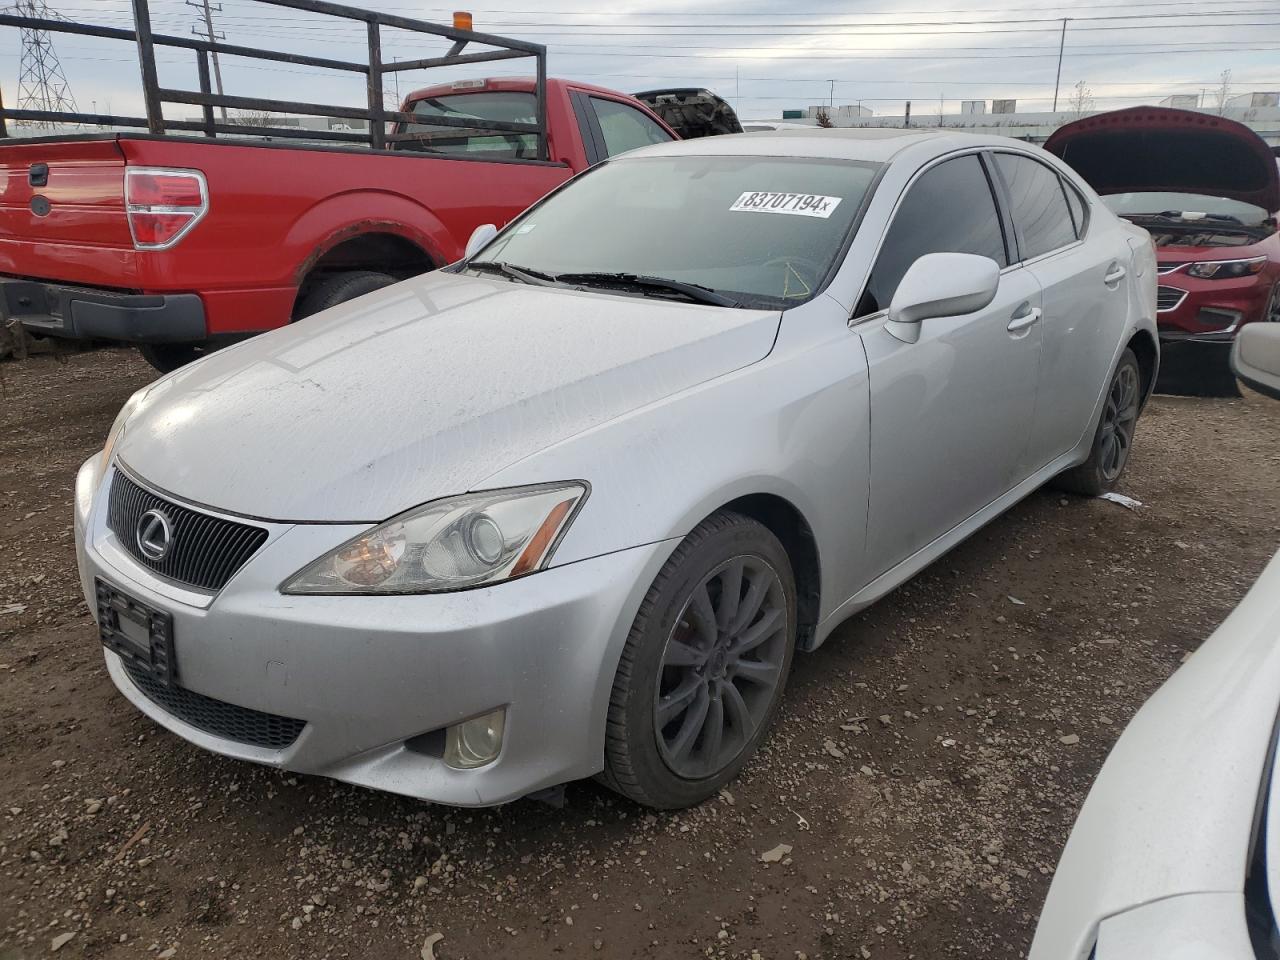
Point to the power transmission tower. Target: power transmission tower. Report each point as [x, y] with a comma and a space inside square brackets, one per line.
[207, 33]
[41, 83]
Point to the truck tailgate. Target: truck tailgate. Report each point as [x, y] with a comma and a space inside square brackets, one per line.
[67, 223]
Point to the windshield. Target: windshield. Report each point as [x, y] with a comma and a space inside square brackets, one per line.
[503, 107]
[1177, 204]
[763, 231]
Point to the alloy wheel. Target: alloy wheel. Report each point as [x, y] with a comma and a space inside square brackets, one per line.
[721, 667]
[1118, 421]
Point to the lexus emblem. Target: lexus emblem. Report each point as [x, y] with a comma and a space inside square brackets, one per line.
[154, 535]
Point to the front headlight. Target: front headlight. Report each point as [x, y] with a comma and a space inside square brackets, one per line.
[450, 544]
[1227, 269]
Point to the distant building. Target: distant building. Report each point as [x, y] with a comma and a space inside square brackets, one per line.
[972, 108]
[1181, 101]
[1249, 101]
[1004, 106]
[841, 115]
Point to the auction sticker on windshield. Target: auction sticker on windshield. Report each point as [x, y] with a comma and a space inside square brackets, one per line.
[796, 204]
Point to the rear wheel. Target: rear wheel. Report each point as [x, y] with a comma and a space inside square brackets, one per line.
[704, 666]
[1113, 439]
[339, 288]
[167, 357]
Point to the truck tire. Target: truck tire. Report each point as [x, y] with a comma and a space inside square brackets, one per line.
[167, 357]
[339, 288]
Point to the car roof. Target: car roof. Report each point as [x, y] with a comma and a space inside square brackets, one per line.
[875, 144]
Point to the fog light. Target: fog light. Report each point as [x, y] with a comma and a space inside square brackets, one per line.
[475, 742]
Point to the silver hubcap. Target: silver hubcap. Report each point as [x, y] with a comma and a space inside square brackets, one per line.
[1118, 419]
[721, 667]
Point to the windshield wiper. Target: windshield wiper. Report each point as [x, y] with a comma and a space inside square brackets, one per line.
[1181, 216]
[693, 291]
[523, 274]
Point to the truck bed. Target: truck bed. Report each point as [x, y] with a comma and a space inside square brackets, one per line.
[274, 208]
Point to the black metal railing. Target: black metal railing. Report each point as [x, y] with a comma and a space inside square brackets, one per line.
[375, 69]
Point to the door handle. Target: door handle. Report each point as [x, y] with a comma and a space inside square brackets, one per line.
[1115, 276]
[1027, 319]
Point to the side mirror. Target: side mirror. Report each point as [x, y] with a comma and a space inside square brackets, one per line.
[1255, 358]
[941, 285]
[480, 238]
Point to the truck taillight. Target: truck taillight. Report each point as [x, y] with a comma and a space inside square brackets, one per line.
[163, 204]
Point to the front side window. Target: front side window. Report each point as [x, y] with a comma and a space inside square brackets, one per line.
[950, 209]
[763, 231]
[625, 128]
[1037, 204]
[508, 107]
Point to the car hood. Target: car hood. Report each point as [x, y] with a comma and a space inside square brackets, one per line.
[1172, 811]
[1145, 149]
[418, 391]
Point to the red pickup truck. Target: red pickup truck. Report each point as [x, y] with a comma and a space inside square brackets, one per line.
[180, 243]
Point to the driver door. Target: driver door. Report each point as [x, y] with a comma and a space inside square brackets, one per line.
[950, 414]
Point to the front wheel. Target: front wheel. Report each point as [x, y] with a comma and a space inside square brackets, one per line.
[1113, 439]
[704, 666]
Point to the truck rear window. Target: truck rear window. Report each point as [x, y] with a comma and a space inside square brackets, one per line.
[510, 107]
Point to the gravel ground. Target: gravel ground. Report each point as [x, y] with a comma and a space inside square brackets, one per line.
[927, 766]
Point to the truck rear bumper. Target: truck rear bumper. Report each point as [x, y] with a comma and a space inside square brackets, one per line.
[78, 313]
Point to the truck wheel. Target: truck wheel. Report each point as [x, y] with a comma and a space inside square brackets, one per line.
[704, 666]
[339, 288]
[1113, 439]
[167, 357]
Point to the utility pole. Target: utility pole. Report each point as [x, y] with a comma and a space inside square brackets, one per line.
[1062, 43]
[831, 98]
[906, 121]
[209, 34]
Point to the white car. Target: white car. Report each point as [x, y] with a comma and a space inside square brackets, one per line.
[1176, 852]
[568, 507]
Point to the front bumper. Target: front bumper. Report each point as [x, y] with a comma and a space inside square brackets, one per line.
[78, 313]
[367, 674]
[1209, 310]
[1204, 926]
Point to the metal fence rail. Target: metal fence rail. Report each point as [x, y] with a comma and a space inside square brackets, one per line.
[374, 114]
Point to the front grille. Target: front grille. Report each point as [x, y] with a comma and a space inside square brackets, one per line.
[1168, 298]
[205, 552]
[221, 719]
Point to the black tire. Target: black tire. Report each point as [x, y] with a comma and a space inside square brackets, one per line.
[167, 357]
[339, 288]
[1116, 425]
[639, 761]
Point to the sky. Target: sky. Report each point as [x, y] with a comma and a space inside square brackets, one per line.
[763, 57]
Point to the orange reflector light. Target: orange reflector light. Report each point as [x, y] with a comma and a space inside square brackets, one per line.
[461, 20]
[540, 542]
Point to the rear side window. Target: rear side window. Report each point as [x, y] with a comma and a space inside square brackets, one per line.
[1038, 205]
[950, 209]
[1079, 212]
[625, 128]
[511, 107]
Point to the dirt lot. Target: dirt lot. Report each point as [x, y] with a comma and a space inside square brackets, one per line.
[919, 773]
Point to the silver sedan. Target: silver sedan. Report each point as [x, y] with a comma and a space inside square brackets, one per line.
[568, 507]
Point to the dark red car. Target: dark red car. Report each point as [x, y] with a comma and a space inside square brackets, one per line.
[1207, 189]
